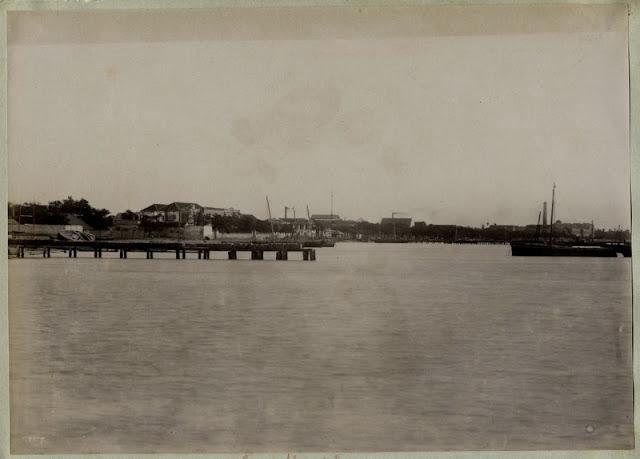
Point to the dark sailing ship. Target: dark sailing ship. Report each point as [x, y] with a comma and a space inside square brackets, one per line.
[550, 248]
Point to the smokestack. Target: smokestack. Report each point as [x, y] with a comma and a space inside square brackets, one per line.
[544, 213]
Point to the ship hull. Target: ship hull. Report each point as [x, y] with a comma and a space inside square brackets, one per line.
[539, 250]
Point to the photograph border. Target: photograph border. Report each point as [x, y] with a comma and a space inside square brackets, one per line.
[86, 5]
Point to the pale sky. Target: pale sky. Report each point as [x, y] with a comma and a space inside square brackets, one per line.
[461, 115]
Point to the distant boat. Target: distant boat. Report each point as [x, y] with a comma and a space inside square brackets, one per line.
[549, 249]
[319, 243]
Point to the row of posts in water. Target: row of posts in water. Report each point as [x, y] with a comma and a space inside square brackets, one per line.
[203, 254]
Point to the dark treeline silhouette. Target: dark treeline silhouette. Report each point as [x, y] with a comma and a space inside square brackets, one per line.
[58, 212]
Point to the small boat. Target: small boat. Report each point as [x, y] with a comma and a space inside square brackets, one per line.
[319, 243]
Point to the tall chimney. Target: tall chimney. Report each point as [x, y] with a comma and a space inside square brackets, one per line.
[544, 214]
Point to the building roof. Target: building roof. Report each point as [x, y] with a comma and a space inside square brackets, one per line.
[325, 217]
[73, 219]
[183, 206]
[154, 208]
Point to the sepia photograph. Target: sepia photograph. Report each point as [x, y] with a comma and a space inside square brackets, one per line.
[321, 228]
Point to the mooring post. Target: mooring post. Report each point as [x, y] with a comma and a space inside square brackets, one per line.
[151, 254]
[95, 253]
[75, 253]
[48, 252]
[125, 252]
[177, 254]
[305, 255]
[100, 252]
[312, 255]
[233, 255]
[184, 254]
[120, 253]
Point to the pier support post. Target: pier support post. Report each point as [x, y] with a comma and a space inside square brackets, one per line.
[70, 252]
[312, 255]
[177, 254]
[120, 254]
[100, 252]
[233, 255]
[282, 255]
[48, 252]
[124, 251]
[44, 253]
[95, 253]
[75, 253]
[305, 255]
[184, 254]
[257, 255]
[207, 254]
[199, 254]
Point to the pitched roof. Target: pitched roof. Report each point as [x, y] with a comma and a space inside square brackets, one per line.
[73, 219]
[183, 205]
[154, 208]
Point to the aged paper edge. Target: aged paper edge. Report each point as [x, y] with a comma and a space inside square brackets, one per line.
[634, 143]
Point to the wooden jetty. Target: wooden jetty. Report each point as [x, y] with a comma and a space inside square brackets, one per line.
[149, 247]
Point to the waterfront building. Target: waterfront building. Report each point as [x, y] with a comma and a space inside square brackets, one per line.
[154, 212]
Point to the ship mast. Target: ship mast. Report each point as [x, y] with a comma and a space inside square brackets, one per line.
[553, 204]
[270, 220]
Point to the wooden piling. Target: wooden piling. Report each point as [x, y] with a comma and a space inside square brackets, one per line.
[233, 255]
[184, 254]
[257, 255]
[305, 254]
[44, 253]
[75, 253]
[312, 255]
[199, 254]
[177, 254]
[48, 252]
[282, 255]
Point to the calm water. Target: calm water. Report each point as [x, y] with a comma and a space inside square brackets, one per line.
[372, 347]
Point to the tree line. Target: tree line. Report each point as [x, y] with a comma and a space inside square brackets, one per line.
[58, 212]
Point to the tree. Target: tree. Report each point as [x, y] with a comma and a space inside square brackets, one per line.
[56, 213]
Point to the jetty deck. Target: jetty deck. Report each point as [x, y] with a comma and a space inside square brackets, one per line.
[150, 247]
